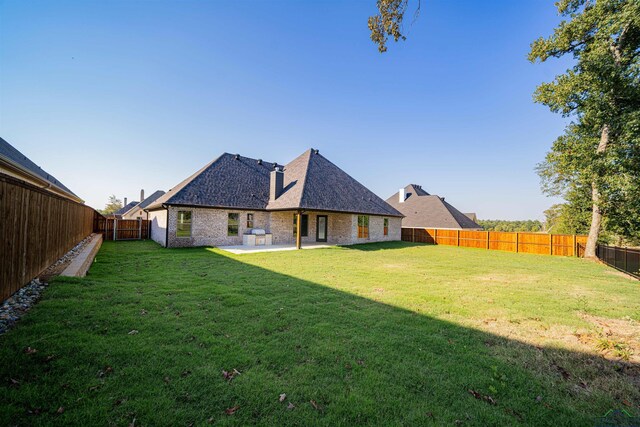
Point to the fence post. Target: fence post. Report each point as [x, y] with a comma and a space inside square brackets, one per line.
[140, 228]
[575, 246]
[550, 244]
[458, 237]
[115, 227]
[517, 241]
[625, 259]
[488, 239]
[413, 235]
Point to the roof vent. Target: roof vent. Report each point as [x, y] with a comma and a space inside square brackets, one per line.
[237, 156]
[259, 161]
[442, 198]
[275, 165]
[316, 151]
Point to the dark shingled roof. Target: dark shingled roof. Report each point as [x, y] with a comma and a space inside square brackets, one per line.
[9, 152]
[311, 182]
[125, 209]
[148, 200]
[429, 211]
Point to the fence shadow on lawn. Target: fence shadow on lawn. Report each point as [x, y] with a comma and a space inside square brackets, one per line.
[360, 361]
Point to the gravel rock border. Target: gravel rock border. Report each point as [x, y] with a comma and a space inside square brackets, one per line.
[14, 307]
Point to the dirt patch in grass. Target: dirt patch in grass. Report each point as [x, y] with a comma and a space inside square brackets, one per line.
[505, 279]
[614, 338]
[620, 274]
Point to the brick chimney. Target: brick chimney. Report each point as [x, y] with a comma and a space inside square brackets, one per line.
[141, 195]
[276, 183]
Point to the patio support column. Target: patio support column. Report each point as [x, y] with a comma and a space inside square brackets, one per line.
[298, 230]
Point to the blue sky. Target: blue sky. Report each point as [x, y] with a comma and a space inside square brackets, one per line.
[115, 96]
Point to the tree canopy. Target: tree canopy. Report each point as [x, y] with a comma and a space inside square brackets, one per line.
[598, 157]
[113, 205]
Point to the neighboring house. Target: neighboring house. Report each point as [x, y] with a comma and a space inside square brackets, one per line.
[423, 210]
[472, 216]
[233, 195]
[15, 164]
[126, 208]
[138, 210]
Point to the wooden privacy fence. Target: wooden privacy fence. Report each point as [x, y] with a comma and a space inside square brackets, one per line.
[623, 259]
[36, 228]
[122, 229]
[533, 243]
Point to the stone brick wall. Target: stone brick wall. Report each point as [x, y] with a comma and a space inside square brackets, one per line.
[209, 226]
[158, 226]
[376, 229]
[338, 228]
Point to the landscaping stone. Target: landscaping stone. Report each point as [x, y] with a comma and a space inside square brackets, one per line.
[15, 306]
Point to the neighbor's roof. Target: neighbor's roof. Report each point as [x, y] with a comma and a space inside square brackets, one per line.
[146, 202]
[429, 211]
[125, 209]
[12, 155]
[311, 182]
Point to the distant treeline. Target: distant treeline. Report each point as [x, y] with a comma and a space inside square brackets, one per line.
[503, 225]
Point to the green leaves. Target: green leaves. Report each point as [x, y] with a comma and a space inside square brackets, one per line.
[388, 22]
[600, 91]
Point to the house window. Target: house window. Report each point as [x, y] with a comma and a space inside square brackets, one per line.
[304, 225]
[184, 224]
[386, 226]
[232, 225]
[363, 226]
[249, 220]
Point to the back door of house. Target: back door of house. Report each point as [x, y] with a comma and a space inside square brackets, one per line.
[321, 228]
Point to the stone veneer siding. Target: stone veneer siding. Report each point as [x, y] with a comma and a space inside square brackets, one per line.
[209, 227]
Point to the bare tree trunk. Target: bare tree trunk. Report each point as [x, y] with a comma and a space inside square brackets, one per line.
[596, 215]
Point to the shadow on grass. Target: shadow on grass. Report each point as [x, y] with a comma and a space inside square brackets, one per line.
[340, 359]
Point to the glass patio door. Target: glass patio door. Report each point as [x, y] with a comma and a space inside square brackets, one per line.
[321, 229]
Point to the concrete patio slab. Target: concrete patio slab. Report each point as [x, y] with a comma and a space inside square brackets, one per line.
[240, 249]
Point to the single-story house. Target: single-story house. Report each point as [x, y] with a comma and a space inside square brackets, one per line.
[234, 197]
[138, 210]
[424, 210]
[126, 208]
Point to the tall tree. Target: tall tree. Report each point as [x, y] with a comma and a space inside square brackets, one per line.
[113, 205]
[601, 148]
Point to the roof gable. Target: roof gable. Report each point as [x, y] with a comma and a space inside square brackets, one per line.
[230, 181]
[123, 210]
[327, 187]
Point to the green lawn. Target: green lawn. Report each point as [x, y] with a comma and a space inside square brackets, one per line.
[381, 334]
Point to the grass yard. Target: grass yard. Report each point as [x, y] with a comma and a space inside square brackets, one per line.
[382, 334]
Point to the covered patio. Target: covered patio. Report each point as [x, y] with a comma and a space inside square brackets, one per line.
[245, 249]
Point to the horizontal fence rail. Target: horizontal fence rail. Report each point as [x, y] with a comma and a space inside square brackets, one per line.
[122, 229]
[36, 229]
[623, 259]
[533, 243]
